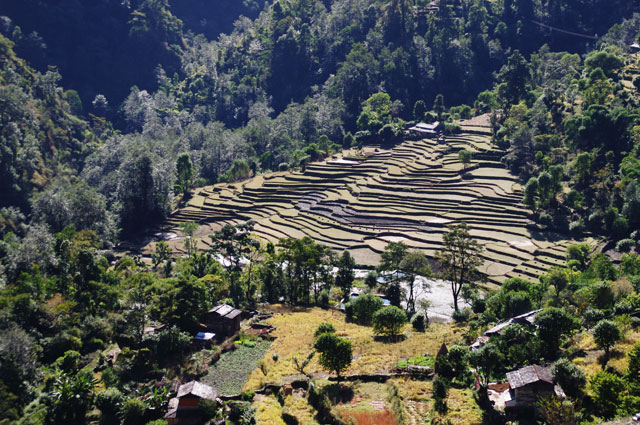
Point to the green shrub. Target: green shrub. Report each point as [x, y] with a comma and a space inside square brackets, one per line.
[363, 308]
[418, 322]
[606, 388]
[324, 327]
[109, 402]
[69, 362]
[570, 377]
[388, 321]
[133, 412]
[625, 245]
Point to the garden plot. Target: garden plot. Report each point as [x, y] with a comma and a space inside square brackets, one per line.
[233, 368]
[359, 199]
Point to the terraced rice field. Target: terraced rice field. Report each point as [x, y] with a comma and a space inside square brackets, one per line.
[359, 201]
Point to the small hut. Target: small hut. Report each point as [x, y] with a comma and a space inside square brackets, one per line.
[184, 409]
[528, 384]
[223, 320]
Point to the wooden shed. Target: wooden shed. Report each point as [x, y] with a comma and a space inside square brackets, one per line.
[528, 384]
[223, 320]
[184, 409]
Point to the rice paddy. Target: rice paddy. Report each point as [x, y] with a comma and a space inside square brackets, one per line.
[412, 191]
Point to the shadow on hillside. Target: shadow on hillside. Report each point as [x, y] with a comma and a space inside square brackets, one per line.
[389, 339]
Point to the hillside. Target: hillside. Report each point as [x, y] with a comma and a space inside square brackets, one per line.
[363, 199]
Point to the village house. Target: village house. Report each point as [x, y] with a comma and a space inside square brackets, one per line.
[634, 48]
[184, 409]
[224, 320]
[528, 385]
[426, 130]
[526, 319]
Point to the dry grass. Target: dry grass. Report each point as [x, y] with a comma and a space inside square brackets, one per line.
[268, 411]
[463, 409]
[590, 362]
[367, 416]
[298, 407]
[295, 339]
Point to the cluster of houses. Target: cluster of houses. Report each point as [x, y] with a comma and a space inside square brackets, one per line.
[524, 386]
[520, 392]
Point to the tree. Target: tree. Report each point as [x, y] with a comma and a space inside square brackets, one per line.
[72, 397]
[414, 264]
[363, 308]
[487, 361]
[553, 325]
[233, 243]
[438, 105]
[606, 333]
[557, 278]
[557, 411]
[388, 321]
[606, 388]
[109, 402]
[530, 197]
[186, 303]
[335, 352]
[440, 392]
[570, 377]
[633, 369]
[185, 173]
[391, 258]
[419, 109]
[459, 258]
[161, 254]
[345, 275]
[142, 198]
[464, 156]
[323, 328]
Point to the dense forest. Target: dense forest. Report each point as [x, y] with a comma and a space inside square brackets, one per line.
[111, 111]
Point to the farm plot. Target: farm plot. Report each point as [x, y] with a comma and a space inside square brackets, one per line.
[356, 200]
[233, 368]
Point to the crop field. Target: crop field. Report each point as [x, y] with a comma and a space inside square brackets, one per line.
[231, 371]
[360, 200]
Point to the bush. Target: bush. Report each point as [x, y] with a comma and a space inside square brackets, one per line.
[625, 245]
[570, 377]
[363, 308]
[133, 411]
[592, 316]
[388, 321]
[576, 227]
[605, 334]
[69, 362]
[461, 316]
[606, 388]
[109, 402]
[418, 322]
[324, 298]
[324, 327]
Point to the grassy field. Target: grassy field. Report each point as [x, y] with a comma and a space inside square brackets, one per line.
[295, 339]
[416, 188]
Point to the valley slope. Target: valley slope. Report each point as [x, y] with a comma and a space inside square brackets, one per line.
[361, 200]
